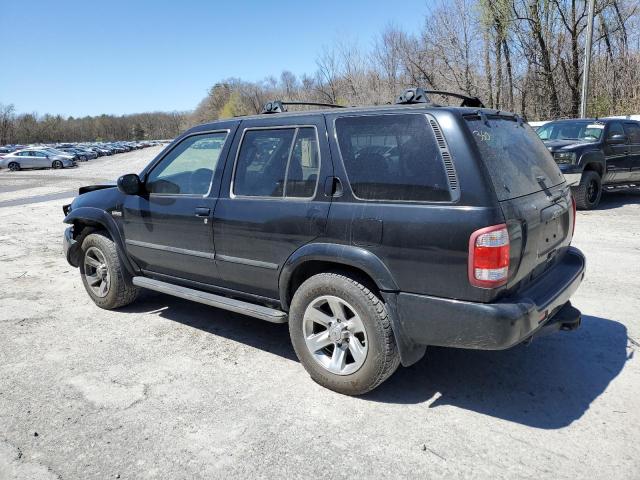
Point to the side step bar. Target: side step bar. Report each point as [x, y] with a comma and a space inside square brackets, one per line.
[218, 301]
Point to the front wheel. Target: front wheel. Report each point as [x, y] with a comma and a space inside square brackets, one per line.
[57, 164]
[342, 334]
[14, 166]
[589, 191]
[104, 277]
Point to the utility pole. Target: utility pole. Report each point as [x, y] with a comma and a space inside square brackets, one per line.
[587, 60]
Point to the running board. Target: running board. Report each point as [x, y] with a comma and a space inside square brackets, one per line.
[218, 301]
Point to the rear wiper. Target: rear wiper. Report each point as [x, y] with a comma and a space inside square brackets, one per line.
[542, 182]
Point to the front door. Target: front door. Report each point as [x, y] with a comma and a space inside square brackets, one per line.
[272, 202]
[168, 228]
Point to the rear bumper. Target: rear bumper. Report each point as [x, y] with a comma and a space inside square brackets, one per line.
[544, 303]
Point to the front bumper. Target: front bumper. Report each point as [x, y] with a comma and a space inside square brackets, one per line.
[70, 247]
[445, 322]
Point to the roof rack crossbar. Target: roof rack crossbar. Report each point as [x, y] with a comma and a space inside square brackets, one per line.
[412, 96]
[278, 106]
[467, 101]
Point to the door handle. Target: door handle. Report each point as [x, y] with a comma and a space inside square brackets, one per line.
[202, 211]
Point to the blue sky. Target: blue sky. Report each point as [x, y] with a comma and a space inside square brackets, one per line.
[86, 57]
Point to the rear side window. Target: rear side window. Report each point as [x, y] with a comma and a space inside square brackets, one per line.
[392, 157]
[282, 162]
[518, 162]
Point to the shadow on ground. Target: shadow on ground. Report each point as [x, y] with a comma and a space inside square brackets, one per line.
[611, 200]
[547, 384]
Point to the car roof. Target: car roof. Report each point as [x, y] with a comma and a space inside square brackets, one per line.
[422, 107]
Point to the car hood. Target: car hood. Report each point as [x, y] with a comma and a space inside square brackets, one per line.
[565, 145]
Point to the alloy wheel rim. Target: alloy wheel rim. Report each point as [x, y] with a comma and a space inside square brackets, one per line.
[96, 272]
[335, 335]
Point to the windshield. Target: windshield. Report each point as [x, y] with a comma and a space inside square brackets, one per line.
[583, 131]
[518, 162]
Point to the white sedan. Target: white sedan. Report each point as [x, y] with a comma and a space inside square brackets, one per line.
[35, 158]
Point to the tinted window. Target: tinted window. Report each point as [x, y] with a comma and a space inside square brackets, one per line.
[518, 162]
[633, 132]
[269, 158]
[302, 173]
[392, 157]
[189, 167]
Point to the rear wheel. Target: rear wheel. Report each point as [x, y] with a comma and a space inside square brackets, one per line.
[589, 191]
[104, 277]
[342, 334]
[14, 166]
[57, 164]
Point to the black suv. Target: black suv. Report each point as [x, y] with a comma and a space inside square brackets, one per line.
[595, 154]
[374, 232]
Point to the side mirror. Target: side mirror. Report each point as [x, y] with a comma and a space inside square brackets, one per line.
[617, 139]
[130, 184]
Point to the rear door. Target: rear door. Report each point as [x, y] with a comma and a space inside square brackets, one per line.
[632, 129]
[530, 189]
[272, 201]
[617, 155]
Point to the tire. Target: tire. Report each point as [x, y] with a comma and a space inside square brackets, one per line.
[368, 330]
[108, 270]
[589, 192]
[14, 166]
[57, 164]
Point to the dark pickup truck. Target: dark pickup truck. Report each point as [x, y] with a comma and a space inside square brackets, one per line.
[373, 232]
[595, 155]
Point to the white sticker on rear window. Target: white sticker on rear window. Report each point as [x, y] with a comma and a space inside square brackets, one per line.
[601, 127]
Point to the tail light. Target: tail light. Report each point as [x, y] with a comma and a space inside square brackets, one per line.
[489, 256]
[573, 207]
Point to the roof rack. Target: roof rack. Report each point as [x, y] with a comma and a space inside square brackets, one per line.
[419, 95]
[278, 106]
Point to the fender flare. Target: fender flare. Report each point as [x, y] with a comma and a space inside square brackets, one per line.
[92, 216]
[593, 156]
[348, 255]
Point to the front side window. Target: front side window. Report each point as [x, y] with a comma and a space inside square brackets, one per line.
[392, 157]
[189, 168]
[277, 163]
[633, 132]
[615, 129]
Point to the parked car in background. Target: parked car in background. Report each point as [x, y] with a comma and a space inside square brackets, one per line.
[594, 154]
[35, 158]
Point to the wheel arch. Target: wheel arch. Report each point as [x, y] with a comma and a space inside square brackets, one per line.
[594, 161]
[315, 258]
[84, 218]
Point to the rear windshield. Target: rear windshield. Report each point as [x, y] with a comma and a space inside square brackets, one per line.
[517, 160]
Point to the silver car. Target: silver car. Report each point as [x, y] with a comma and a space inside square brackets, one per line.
[35, 158]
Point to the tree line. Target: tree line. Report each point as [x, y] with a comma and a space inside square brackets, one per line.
[29, 128]
[524, 56]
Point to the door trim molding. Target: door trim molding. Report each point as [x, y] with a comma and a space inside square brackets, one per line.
[247, 261]
[165, 248]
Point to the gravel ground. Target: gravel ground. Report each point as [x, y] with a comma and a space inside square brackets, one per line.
[170, 389]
